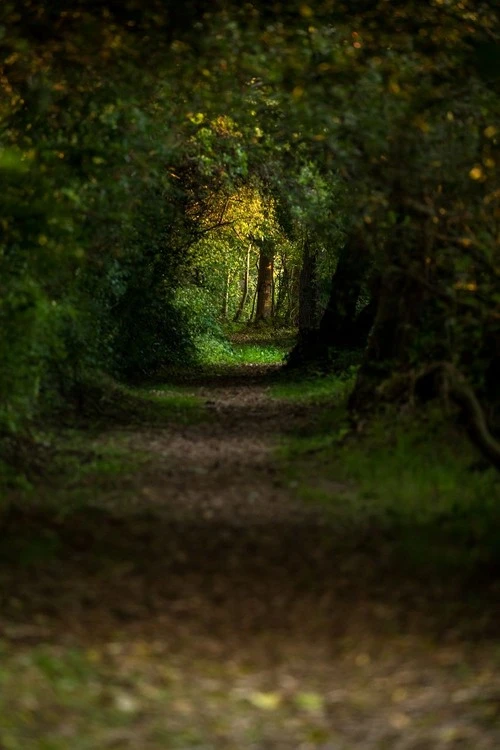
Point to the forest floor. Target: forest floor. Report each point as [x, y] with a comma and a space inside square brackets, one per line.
[186, 595]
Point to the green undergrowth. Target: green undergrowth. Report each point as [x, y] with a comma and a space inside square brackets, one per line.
[84, 449]
[333, 389]
[413, 476]
[246, 345]
[242, 352]
[108, 402]
[238, 345]
[258, 354]
[82, 473]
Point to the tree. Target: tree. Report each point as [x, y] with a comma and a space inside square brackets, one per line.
[264, 308]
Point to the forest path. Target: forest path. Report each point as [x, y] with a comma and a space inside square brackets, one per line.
[202, 605]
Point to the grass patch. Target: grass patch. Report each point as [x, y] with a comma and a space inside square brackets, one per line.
[241, 351]
[85, 451]
[106, 401]
[325, 388]
[80, 468]
[86, 458]
[246, 345]
[415, 477]
[258, 354]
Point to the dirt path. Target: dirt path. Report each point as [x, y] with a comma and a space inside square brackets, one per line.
[213, 609]
[223, 470]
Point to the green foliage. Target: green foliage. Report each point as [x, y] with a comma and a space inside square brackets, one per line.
[199, 311]
[140, 167]
[67, 451]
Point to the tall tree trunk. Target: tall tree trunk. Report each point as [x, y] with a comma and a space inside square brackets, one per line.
[244, 294]
[308, 297]
[337, 328]
[337, 325]
[265, 282]
[283, 290]
[293, 297]
[273, 296]
[225, 298]
[254, 300]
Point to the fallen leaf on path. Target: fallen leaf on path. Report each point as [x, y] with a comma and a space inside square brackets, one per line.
[265, 701]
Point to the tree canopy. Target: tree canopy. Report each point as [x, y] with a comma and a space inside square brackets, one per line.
[152, 153]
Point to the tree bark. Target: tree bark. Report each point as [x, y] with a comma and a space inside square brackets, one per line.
[283, 289]
[337, 328]
[293, 297]
[244, 294]
[308, 293]
[265, 283]
[254, 298]
[225, 298]
[337, 325]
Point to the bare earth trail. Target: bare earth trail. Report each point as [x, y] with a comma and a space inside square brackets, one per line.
[220, 611]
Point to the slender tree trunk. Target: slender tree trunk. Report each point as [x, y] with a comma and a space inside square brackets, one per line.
[294, 297]
[225, 298]
[308, 297]
[283, 288]
[265, 283]
[364, 322]
[254, 300]
[244, 295]
[273, 296]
